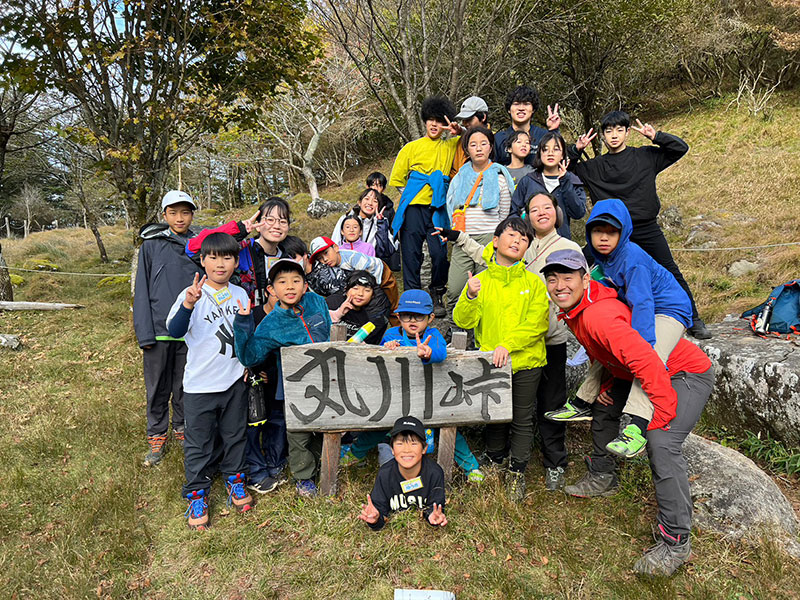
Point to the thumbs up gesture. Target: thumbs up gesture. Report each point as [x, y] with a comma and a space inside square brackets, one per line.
[423, 350]
[473, 286]
[369, 514]
[437, 516]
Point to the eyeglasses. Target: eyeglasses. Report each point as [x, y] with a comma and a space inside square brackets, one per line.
[273, 221]
[406, 317]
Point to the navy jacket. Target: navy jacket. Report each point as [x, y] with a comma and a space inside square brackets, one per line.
[164, 271]
[643, 284]
[569, 194]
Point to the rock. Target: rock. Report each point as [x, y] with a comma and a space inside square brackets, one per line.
[41, 264]
[742, 267]
[702, 233]
[732, 496]
[670, 218]
[319, 207]
[758, 382]
[12, 342]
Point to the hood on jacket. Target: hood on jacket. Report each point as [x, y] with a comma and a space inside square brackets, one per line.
[619, 211]
[497, 271]
[161, 230]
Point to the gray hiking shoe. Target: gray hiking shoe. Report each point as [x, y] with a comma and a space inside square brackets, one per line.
[554, 479]
[515, 485]
[157, 444]
[593, 484]
[665, 557]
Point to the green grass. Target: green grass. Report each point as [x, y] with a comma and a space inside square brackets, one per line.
[79, 516]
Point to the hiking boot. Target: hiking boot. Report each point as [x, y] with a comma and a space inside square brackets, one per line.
[554, 479]
[476, 476]
[349, 459]
[237, 495]
[306, 488]
[515, 486]
[569, 413]
[178, 434]
[630, 442]
[197, 511]
[593, 484]
[699, 331]
[266, 485]
[666, 556]
[156, 452]
[437, 295]
[492, 462]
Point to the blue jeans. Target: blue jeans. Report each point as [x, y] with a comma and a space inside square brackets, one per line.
[267, 449]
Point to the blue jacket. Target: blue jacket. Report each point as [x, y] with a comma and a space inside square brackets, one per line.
[569, 194]
[280, 328]
[643, 284]
[417, 181]
[437, 343]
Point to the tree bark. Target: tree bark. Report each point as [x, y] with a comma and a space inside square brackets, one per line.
[6, 289]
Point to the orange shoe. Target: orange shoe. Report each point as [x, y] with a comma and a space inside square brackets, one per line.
[237, 495]
[197, 511]
[156, 453]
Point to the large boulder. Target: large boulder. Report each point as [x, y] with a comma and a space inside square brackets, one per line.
[318, 207]
[734, 497]
[758, 382]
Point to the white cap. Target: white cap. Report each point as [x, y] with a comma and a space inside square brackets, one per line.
[176, 196]
[472, 105]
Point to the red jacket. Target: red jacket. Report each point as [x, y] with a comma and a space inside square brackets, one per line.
[602, 324]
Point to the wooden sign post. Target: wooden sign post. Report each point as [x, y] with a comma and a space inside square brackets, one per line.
[334, 387]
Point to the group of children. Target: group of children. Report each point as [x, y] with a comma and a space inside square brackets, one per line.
[212, 311]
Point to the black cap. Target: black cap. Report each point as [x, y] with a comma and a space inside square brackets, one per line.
[605, 218]
[364, 278]
[408, 424]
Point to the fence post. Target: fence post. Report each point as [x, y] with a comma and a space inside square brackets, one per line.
[331, 441]
[447, 435]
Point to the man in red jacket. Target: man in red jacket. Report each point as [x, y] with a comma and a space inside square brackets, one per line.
[602, 324]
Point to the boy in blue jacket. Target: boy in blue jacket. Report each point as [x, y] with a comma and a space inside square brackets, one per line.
[661, 312]
[415, 312]
[299, 317]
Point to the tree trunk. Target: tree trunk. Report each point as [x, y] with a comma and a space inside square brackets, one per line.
[311, 182]
[6, 289]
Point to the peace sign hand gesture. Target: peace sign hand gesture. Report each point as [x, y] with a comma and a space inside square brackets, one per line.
[194, 292]
[585, 139]
[379, 215]
[244, 311]
[423, 350]
[437, 516]
[562, 167]
[369, 514]
[553, 118]
[646, 130]
[453, 126]
[250, 224]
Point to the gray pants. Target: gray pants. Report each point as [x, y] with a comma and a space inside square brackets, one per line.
[305, 449]
[664, 447]
[460, 266]
[163, 365]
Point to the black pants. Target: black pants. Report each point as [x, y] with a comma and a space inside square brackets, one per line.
[650, 237]
[517, 435]
[163, 365]
[418, 228]
[551, 395]
[605, 426]
[207, 415]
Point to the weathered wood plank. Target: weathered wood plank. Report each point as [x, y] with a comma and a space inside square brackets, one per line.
[338, 386]
[447, 435]
[37, 306]
[329, 469]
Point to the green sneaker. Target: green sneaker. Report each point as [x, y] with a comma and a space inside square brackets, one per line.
[569, 413]
[349, 460]
[515, 485]
[630, 442]
[475, 476]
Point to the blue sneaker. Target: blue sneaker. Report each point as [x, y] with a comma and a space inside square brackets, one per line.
[237, 495]
[197, 511]
[307, 488]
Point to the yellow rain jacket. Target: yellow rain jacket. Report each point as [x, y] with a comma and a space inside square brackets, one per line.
[511, 311]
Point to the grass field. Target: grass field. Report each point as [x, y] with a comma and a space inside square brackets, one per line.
[79, 516]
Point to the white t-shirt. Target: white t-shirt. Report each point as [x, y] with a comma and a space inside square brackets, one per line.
[550, 182]
[211, 363]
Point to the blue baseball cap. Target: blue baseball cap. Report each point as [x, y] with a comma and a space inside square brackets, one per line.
[415, 301]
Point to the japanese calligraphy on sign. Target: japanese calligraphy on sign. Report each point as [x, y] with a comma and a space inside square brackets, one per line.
[340, 386]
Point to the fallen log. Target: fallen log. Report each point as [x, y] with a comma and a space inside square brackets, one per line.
[37, 306]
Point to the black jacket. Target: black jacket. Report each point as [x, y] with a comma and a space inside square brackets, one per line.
[388, 496]
[164, 271]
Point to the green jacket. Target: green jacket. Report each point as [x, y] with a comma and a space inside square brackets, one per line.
[510, 311]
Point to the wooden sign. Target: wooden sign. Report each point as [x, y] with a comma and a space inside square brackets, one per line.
[337, 386]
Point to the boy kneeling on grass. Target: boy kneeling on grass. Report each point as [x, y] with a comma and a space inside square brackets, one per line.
[415, 313]
[215, 394]
[409, 480]
[299, 317]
